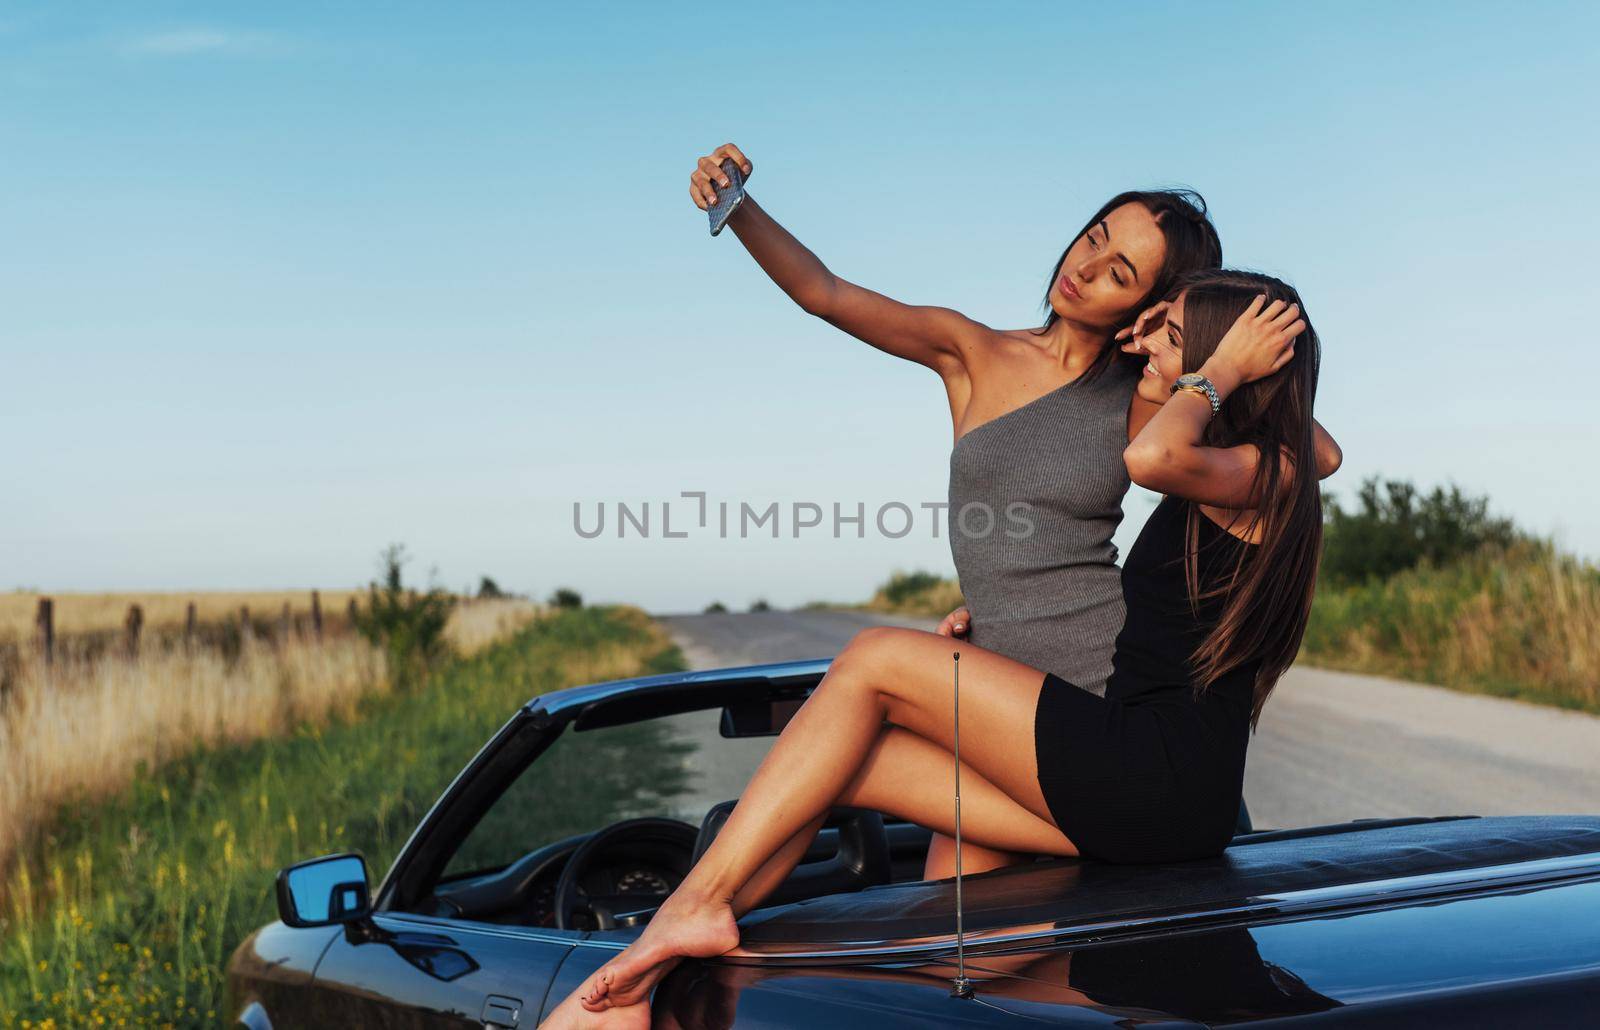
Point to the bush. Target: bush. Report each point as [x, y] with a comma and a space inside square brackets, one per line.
[489, 590]
[407, 624]
[1523, 621]
[903, 586]
[565, 597]
[917, 593]
[761, 605]
[714, 607]
[1394, 527]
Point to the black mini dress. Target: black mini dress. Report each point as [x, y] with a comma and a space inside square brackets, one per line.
[1149, 772]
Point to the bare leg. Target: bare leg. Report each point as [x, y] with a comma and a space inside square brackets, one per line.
[940, 864]
[975, 858]
[909, 776]
[895, 675]
[777, 869]
[904, 775]
[896, 756]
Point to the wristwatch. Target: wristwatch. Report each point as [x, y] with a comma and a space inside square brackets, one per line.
[1194, 382]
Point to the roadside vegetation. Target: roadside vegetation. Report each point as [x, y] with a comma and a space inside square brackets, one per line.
[917, 593]
[80, 726]
[123, 910]
[1428, 586]
[89, 617]
[1434, 587]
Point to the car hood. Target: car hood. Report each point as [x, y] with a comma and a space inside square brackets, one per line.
[1519, 956]
[1465, 922]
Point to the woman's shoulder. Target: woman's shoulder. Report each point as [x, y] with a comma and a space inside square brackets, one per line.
[1010, 350]
[1022, 355]
[1003, 364]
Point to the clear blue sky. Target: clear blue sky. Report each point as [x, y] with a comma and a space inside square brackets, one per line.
[282, 283]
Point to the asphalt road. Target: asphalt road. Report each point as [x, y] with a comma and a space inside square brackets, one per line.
[1331, 746]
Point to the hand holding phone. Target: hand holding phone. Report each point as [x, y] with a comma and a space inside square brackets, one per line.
[718, 201]
[728, 197]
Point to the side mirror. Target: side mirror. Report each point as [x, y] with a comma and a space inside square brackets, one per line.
[324, 891]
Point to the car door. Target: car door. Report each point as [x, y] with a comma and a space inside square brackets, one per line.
[402, 970]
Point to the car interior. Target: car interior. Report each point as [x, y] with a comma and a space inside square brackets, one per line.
[616, 874]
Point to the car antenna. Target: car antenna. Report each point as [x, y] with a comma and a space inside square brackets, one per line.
[962, 987]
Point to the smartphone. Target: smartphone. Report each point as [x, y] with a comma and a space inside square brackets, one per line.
[728, 197]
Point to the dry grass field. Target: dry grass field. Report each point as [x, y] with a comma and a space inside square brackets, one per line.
[79, 729]
[79, 614]
[476, 625]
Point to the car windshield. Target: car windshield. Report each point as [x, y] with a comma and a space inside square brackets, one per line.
[677, 766]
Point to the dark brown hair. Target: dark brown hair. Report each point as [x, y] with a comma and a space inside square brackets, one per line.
[1192, 245]
[1267, 595]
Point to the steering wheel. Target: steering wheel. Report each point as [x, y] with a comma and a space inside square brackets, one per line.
[669, 836]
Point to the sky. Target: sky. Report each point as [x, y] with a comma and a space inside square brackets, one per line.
[281, 284]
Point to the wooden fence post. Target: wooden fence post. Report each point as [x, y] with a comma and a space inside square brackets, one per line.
[316, 614]
[285, 622]
[246, 631]
[46, 623]
[350, 613]
[131, 627]
[190, 617]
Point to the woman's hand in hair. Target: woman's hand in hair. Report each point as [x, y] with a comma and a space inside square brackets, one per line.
[1149, 320]
[708, 175]
[1137, 340]
[1260, 342]
[957, 624]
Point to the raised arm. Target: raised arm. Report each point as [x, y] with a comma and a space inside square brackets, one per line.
[1329, 456]
[1141, 411]
[942, 339]
[1168, 455]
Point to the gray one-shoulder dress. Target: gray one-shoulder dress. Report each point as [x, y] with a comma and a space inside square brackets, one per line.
[1035, 496]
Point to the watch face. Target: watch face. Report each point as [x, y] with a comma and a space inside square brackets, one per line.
[1190, 379]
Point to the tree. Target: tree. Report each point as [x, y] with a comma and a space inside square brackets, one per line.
[489, 590]
[1394, 527]
[566, 597]
[715, 607]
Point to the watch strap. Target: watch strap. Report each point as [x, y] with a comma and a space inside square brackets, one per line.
[1194, 382]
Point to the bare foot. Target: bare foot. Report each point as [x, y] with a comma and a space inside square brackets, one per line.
[570, 1015]
[684, 927]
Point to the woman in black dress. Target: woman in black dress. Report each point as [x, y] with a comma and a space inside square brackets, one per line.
[1218, 589]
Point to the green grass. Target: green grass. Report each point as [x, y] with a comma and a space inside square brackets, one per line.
[1520, 622]
[126, 911]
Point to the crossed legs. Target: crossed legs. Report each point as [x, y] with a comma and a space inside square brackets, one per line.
[837, 750]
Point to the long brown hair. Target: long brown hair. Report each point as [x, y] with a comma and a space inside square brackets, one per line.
[1192, 245]
[1267, 595]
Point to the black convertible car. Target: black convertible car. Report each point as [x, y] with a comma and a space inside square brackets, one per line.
[554, 845]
